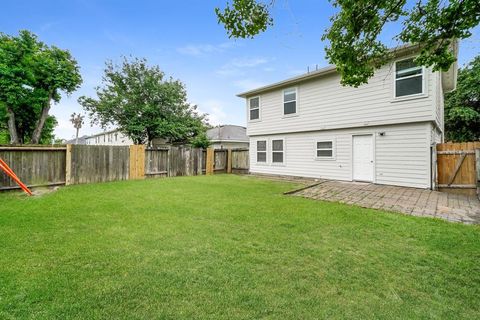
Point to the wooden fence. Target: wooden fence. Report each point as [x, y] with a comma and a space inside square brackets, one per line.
[240, 161]
[77, 164]
[36, 166]
[225, 161]
[173, 162]
[458, 167]
[90, 164]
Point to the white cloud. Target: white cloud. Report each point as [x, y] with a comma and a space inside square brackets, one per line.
[197, 50]
[248, 84]
[237, 67]
[215, 109]
[248, 62]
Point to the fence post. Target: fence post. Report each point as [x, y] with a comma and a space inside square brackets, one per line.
[477, 165]
[210, 161]
[68, 165]
[229, 160]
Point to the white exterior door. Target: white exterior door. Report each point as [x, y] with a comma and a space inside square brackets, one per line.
[363, 158]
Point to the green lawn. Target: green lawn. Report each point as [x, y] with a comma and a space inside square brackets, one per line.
[227, 247]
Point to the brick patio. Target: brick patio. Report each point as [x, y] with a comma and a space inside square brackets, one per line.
[417, 202]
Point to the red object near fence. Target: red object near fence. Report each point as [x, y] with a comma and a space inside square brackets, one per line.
[4, 166]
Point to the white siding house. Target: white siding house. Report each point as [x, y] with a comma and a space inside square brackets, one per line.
[380, 132]
[109, 138]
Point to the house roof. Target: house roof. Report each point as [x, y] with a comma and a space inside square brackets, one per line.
[81, 140]
[227, 133]
[449, 78]
[102, 133]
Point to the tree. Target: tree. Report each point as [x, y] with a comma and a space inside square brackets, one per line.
[462, 106]
[354, 46]
[138, 100]
[4, 137]
[77, 121]
[32, 76]
[25, 124]
[201, 141]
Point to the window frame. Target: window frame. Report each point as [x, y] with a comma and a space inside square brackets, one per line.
[288, 115]
[315, 148]
[259, 109]
[410, 96]
[284, 147]
[266, 152]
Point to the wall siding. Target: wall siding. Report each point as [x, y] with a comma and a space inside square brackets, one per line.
[402, 156]
[229, 145]
[324, 104]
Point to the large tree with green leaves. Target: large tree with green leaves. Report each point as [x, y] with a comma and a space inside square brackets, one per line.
[25, 125]
[353, 36]
[143, 104]
[462, 106]
[32, 77]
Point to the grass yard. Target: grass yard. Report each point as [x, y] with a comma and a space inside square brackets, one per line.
[227, 247]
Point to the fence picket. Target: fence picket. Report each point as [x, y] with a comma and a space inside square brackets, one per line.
[456, 167]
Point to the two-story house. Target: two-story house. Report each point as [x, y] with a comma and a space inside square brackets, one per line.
[109, 138]
[382, 132]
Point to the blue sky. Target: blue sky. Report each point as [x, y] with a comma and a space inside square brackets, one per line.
[184, 39]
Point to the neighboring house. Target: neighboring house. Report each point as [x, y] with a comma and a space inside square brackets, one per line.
[382, 132]
[228, 137]
[109, 138]
[81, 140]
[116, 138]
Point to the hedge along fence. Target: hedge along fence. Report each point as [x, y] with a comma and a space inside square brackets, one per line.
[77, 164]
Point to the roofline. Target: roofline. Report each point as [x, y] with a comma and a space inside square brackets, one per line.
[398, 51]
[303, 77]
[102, 133]
[226, 125]
[220, 141]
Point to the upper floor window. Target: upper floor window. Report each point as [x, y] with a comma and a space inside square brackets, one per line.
[254, 108]
[262, 151]
[277, 151]
[408, 78]
[290, 101]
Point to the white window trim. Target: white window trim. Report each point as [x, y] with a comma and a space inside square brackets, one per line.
[290, 115]
[259, 109]
[266, 152]
[424, 92]
[284, 151]
[334, 149]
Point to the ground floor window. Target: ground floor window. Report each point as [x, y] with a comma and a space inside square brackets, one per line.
[277, 151]
[262, 151]
[324, 149]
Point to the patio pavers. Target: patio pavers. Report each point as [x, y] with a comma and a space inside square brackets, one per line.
[412, 201]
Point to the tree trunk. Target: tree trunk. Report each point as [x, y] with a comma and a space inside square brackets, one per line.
[76, 136]
[37, 133]
[12, 127]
